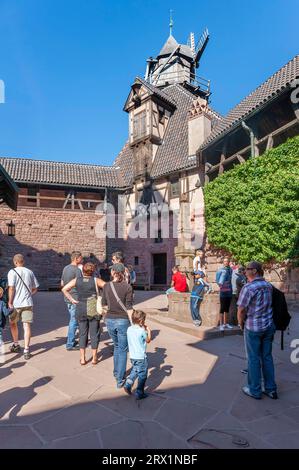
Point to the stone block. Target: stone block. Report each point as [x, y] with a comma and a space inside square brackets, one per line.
[179, 308]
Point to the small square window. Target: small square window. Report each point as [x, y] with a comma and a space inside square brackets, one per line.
[175, 188]
[159, 238]
[136, 260]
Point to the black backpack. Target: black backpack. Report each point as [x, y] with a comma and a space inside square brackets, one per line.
[281, 316]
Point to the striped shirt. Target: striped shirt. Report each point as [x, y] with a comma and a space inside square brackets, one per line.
[256, 297]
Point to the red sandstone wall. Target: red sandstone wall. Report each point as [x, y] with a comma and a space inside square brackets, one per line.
[282, 277]
[46, 238]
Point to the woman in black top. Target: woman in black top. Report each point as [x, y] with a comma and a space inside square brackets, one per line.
[87, 287]
[117, 305]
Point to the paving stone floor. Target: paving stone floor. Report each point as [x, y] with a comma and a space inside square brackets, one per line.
[195, 401]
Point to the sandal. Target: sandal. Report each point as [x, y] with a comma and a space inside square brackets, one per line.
[94, 363]
[83, 363]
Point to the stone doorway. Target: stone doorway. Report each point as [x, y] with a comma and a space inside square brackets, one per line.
[159, 269]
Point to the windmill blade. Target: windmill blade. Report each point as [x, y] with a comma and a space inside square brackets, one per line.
[201, 45]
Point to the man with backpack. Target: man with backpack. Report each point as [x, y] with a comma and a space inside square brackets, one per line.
[22, 284]
[255, 317]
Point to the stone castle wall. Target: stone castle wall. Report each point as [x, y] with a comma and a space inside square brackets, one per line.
[46, 238]
[283, 277]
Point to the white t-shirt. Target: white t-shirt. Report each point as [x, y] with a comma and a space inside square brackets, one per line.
[22, 297]
[197, 264]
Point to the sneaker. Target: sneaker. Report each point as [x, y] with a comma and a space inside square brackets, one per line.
[247, 392]
[244, 371]
[127, 389]
[197, 323]
[221, 327]
[272, 395]
[27, 355]
[120, 384]
[15, 348]
[228, 326]
[141, 396]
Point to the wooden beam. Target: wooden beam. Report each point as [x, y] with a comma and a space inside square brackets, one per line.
[80, 204]
[240, 158]
[51, 198]
[269, 142]
[240, 153]
[66, 201]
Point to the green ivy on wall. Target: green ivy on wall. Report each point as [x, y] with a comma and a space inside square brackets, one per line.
[252, 211]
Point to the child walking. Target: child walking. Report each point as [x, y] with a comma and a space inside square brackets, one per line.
[138, 336]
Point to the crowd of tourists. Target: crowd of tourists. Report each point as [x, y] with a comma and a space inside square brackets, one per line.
[89, 299]
[249, 301]
[92, 297]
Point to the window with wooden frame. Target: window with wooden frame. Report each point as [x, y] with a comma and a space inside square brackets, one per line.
[174, 190]
[31, 193]
[161, 116]
[139, 125]
[159, 238]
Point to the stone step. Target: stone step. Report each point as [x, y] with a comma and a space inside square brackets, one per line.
[201, 332]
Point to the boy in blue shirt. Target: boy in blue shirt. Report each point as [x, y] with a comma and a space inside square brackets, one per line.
[138, 336]
[199, 289]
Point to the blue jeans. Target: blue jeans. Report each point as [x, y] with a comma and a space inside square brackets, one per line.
[117, 329]
[73, 326]
[139, 370]
[259, 350]
[195, 306]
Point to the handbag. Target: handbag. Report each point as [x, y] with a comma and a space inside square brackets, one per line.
[99, 307]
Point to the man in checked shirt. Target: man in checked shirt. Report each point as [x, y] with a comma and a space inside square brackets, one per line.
[255, 318]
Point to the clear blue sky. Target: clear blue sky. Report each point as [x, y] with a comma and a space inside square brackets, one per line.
[68, 64]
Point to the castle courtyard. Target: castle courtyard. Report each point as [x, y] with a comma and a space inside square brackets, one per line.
[195, 400]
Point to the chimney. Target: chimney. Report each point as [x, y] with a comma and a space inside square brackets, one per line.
[199, 124]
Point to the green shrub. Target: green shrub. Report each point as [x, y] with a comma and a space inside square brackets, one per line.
[252, 210]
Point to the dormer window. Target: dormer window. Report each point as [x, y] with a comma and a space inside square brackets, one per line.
[161, 116]
[139, 125]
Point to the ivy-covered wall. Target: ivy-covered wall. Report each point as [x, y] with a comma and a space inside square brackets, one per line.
[252, 211]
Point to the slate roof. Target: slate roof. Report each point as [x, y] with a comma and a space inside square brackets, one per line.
[69, 174]
[260, 96]
[124, 164]
[153, 91]
[171, 44]
[172, 154]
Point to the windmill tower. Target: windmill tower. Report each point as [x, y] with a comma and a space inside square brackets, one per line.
[177, 63]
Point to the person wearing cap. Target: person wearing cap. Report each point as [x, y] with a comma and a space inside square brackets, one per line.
[196, 297]
[256, 319]
[117, 302]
